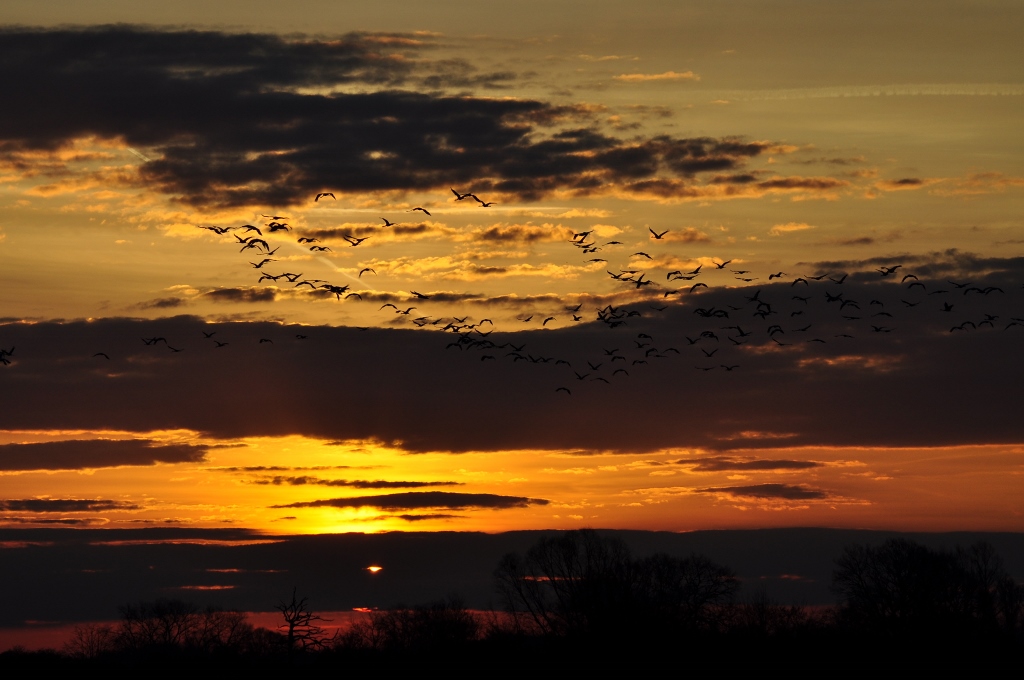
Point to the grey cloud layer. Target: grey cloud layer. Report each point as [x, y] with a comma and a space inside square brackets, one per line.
[79, 454]
[913, 382]
[726, 464]
[230, 120]
[786, 492]
[63, 505]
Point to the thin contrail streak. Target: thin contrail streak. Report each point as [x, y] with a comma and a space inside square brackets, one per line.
[855, 91]
[140, 155]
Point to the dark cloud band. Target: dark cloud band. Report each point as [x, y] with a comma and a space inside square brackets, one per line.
[873, 372]
[229, 121]
[80, 454]
[306, 480]
[787, 492]
[63, 505]
[424, 500]
[725, 464]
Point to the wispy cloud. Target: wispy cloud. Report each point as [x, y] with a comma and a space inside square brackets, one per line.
[787, 492]
[307, 480]
[414, 500]
[789, 227]
[647, 77]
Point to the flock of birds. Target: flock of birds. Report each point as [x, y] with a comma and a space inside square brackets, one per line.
[779, 315]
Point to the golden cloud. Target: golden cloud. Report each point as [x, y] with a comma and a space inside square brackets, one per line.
[666, 190]
[905, 183]
[667, 75]
[780, 229]
[687, 235]
[981, 183]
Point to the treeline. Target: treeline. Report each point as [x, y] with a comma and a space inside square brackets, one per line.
[583, 599]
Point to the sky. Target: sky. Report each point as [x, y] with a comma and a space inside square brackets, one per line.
[660, 266]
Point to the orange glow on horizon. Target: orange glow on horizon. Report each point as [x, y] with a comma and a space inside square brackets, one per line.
[672, 490]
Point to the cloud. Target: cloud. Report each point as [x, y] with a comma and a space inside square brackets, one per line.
[237, 119]
[671, 190]
[647, 77]
[285, 468]
[687, 235]
[872, 91]
[855, 160]
[415, 500]
[950, 262]
[162, 303]
[855, 241]
[420, 518]
[242, 294]
[355, 484]
[521, 233]
[822, 379]
[399, 232]
[459, 73]
[807, 183]
[63, 505]
[567, 214]
[52, 521]
[863, 240]
[726, 464]
[81, 454]
[780, 229]
[451, 268]
[787, 492]
[902, 184]
[979, 184]
[510, 301]
[607, 57]
[495, 233]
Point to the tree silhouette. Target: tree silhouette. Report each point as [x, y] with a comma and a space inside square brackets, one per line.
[166, 627]
[301, 625]
[581, 584]
[438, 626]
[901, 589]
[90, 641]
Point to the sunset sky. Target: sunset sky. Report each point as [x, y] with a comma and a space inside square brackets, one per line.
[561, 366]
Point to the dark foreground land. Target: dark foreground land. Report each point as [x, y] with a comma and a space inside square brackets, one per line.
[681, 658]
[581, 603]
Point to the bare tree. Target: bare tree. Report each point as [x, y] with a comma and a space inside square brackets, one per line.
[691, 593]
[761, 617]
[166, 627]
[301, 625]
[583, 584]
[90, 641]
[160, 624]
[564, 584]
[903, 589]
[441, 625]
